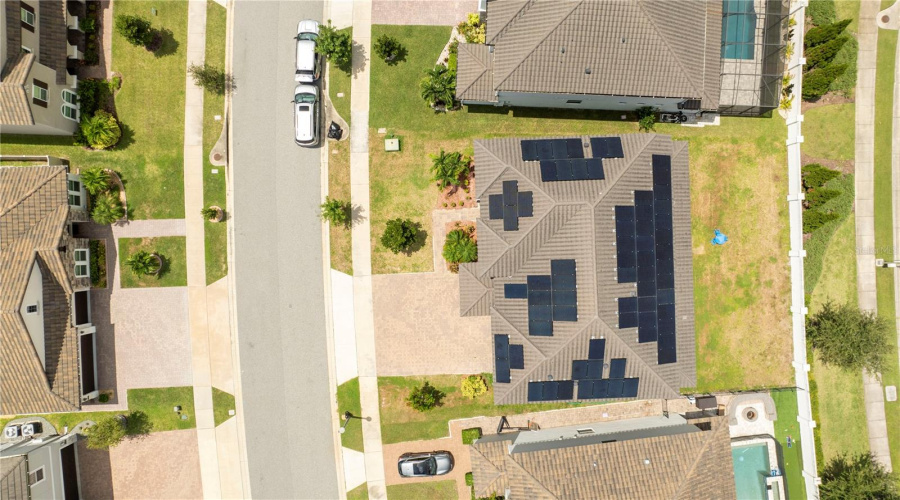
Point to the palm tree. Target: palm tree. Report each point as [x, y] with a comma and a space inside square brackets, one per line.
[142, 263]
[101, 130]
[439, 86]
[107, 209]
[95, 180]
[460, 247]
[448, 168]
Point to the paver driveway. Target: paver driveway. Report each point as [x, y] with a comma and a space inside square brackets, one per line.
[428, 12]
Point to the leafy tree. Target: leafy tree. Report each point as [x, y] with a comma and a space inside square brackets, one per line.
[399, 235]
[473, 386]
[142, 263]
[824, 33]
[460, 247]
[847, 337]
[439, 86]
[388, 48]
[101, 131]
[646, 118]
[858, 477]
[815, 175]
[817, 81]
[106, 433]
[135, 29]
[95, 180]
[209, 213]
[335, 45]
[336, 212]
[821, 55]
[821, 12]
[211, 78]
[107, 209]
[425, 398]
[448, 168]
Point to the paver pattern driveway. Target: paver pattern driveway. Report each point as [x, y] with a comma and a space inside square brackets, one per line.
[427, 12]
[418, 329]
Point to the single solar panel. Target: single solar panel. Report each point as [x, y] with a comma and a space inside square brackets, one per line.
[562, 266]
[544, 150]
[662, 192]
[596, 349]
[564, 170]
[540, 328]
[644, 226]
[626, 304]
[666, 311]
[551, 389]
[647, 303]
[540, 312]
[628, 320]
[495, 206]
[666, 327]
[574, 148]
[661, 162]
[502, 368]
[510, 218]
[667, 341]
[563, 281]
[595, 368]
[501, 346]
[626, 274]
[666, 356]
[646, 287]
[579, 369]
[560, 149]
[666, 281]
[625, 254]
[647, 333]
[643, 197]
[643, 211]
[630, 388]
[565, 390]
[579, 170]
[517, 356]
[535, 391]
[548, 171]
[585, 389]
[601, 389]
[643, 243]
[662, 208]
[564, 298]
[526, 204]
[624, 212]
[663, 251]
[510, 192]
[615, 388]
[565, 313]
[617, 368]
[663, 222]
[515, 291]
[539, 298]
[666, 296]
[538, 282]
[595, 168]
[529, 151]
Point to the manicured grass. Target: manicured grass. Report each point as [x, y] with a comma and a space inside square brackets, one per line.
[339, 188]
[848, 9]
[339, 82]
[361, 492]
[348, 400]
[214, 185]
[821, 240]
[172, 251]
[828, 133]
[401, 423]
[432, 490]
[470, 435]
[150, 105]
[738, 185]
[222, 403]
[838, 282]
[787, 425]
[841, 421]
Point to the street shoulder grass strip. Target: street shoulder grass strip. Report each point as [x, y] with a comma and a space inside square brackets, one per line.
[214, 178]
[340, 236]
[432, 490]
[223, 402]
[348, 400]
[174, 256]
[826, 132]
[361, 492]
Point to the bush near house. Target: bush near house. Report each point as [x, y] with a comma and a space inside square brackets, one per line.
[821, 55]
[439, 87]
[449, 169]
[472, 29]
[399, 235]
[646, 118]
[815, 176]
[107, 209]
[95, 180]
[460, 247]
[425, 397]
[101, 131]
[134, 29]
[473, 386]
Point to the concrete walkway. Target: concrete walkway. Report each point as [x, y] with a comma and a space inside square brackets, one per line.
[865, 213]
[893, 14]
[151, 228]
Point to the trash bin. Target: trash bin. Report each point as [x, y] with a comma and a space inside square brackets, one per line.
[335, 132]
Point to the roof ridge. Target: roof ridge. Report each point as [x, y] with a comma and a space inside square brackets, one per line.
[525, 6]
[54, 171]
[495, 471]
[472, 56]
[687, 477]
[530, 475]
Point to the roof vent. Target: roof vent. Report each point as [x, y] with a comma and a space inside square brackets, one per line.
[646, 461]
[562, 50]
[587, 71]
[582, 432]
[623, 39]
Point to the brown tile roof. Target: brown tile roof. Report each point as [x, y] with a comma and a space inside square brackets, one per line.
[686, 464]
[14, 478]
[575, 220]
[14, 106]
[33, 214]
[545, 46]
[474, 78]
[54, 37]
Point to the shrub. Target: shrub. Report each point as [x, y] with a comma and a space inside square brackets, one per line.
[817, 197]
[820, 55]
[106, 433]
[209, 213]
[817, 244]
[95, 180]
[335, 212]
[107, 209]
[473, 386]
[93, 95]
[470, 435]
[88, 25]
[209, 77]
[460, 247]
[425, 398]
[439, 86]
[814, 219]
[103, 398]
[98, 262]
[470, 481]
[818, 81]
[472, 29]
[454, 56]
[815, 175]
[845, 84]
[857, 477]
[449, 169]
[646, 118]
[821, 11]
[399, 235]
[135, 29]
[388, 48]
[336, 45]
[848, 337]
[824, 33]
[142, 263]
[101, 131]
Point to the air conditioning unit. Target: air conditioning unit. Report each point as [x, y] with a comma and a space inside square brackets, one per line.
[32, 428]
[11, 432]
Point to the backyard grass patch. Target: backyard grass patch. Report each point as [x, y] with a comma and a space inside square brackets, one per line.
[432, 490]
[339, 189]
[361, 492]
[172, 251]
[787, 425]
[214, 184]
[150, 106]
[348, 400]
[222, 403]
[828, 132]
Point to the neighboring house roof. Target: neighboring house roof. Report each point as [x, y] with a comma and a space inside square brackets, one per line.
[13, 478]
[655, 48]
[34, 210]
[54, 37]
[475, 80]
[14, 106]
[576, 220]
[684, 462]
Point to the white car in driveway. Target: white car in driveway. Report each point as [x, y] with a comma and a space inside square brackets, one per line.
[308, 62]
[306, 115]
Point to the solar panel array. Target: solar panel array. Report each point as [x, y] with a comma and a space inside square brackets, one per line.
[645, 255]
[507, 356]
[510, 205]
[550, 298]
[552, 390]
[592, 385]
[563, 159]
[607, 147]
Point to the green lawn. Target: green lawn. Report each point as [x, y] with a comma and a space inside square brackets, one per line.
[828, 132]
[340, 237]
[348, 400]
[339, 83]
[848, 9]
[401, 423]
[150, 105]
[172, 251]
[361, 492]
[787, 425]
[737, 178]
[222, 403]
[432, 490]
[216, 237]
[157, 404]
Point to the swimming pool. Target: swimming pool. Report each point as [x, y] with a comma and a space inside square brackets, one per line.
[751, 467]
[738, 29]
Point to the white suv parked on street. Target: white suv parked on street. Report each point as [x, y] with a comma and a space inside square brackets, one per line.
[306, 115]
[308, 67]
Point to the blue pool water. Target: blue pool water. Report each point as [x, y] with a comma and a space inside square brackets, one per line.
[738, 29]
[751, 466]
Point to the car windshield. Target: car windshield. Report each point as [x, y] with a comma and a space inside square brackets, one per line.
[425, 467]
[307, 36]
[306, 98]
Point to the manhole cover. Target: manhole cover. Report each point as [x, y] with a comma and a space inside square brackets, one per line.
[217, 157]
[885, 19]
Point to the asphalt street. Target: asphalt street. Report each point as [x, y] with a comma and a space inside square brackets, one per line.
[278, 264]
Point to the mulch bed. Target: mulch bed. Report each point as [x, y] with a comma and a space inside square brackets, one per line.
[825, 100]
[845, 166]
[458, 195]
[468, 225]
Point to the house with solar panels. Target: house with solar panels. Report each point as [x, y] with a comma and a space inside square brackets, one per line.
[584, 267]
[679, 56]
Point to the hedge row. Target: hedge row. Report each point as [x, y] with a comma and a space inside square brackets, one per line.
[817, 244]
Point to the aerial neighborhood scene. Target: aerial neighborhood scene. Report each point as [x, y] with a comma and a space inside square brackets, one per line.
[450, 249]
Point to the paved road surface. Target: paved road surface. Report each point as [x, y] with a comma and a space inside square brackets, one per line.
[278, 260]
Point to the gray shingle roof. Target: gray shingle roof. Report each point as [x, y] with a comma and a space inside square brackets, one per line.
[14, 478]
[658, 48]
[475, 78]
[575, 220]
